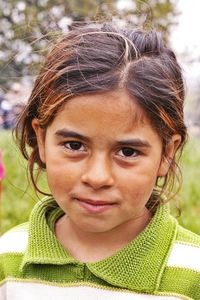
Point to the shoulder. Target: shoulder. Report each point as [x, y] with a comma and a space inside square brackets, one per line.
[15, 240]
[182, 271]
[186, 236]
[185, 252]
[12, 248]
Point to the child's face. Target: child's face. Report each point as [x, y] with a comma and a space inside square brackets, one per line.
[102, 160]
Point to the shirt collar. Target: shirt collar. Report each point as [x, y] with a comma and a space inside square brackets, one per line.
[138, 266]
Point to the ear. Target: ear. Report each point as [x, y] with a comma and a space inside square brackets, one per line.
[170, 152]
[40, 135]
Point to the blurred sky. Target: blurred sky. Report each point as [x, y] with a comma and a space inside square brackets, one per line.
[185, 36]
[185, 39]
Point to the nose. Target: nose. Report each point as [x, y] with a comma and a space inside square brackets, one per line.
[98, 173]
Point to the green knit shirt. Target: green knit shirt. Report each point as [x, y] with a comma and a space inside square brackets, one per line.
[163, 262]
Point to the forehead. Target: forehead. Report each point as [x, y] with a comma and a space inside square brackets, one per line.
[110, 107]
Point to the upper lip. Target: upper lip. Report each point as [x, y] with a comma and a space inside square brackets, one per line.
[95, 202]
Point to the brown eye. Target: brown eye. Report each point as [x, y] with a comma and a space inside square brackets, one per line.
[74, 146]
[128, 152]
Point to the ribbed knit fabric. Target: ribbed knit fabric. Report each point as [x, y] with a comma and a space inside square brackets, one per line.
[163, 262]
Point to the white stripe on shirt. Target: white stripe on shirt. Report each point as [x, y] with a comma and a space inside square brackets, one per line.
[14, 242]
[39, 291]
[185, 256]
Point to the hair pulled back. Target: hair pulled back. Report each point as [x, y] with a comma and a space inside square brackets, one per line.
[101, 58]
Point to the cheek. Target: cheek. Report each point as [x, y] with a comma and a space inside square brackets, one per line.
[61, 177]
[138, 186]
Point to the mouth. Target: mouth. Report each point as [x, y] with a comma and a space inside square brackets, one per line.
[95, 206]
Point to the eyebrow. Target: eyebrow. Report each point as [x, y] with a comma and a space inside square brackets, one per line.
[69, 133]
[127, 142]
[134, 143]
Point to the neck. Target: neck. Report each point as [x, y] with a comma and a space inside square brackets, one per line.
[95, 246]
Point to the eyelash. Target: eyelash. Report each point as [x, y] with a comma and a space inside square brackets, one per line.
[69, 147]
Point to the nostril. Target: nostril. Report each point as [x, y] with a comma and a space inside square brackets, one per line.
[98, 172]
[97, 181]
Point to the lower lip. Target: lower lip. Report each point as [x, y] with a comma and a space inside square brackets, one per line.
[95, 208]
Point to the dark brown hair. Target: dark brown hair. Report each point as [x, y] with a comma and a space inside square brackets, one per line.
[99, 58]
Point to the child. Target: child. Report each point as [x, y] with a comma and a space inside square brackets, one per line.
[105, 121]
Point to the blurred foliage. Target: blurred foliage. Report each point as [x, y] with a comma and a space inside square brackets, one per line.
[27, 26]
[18, 196]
